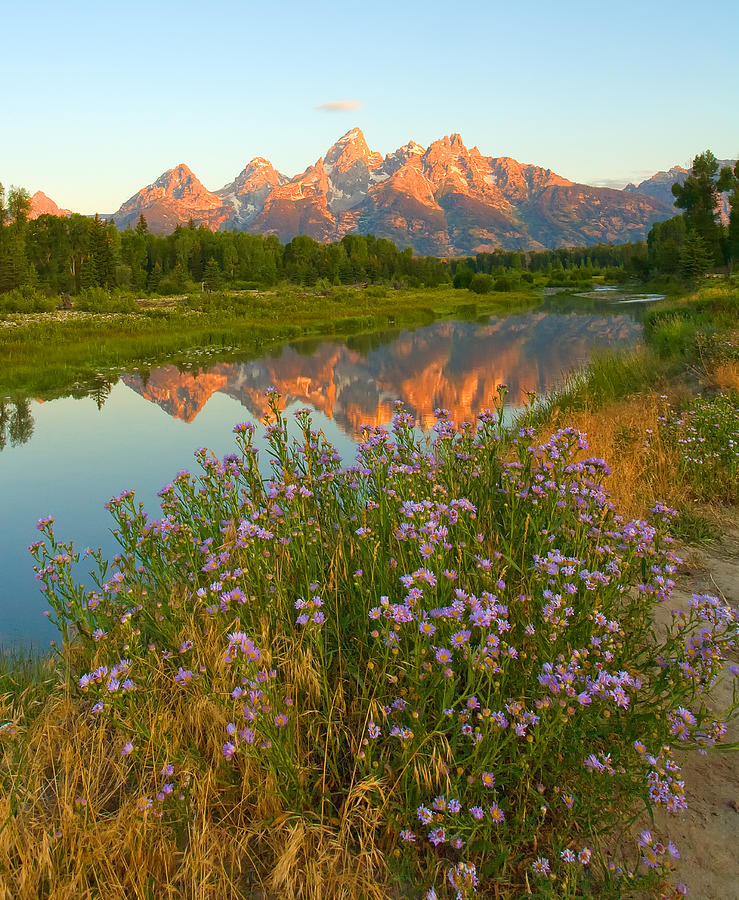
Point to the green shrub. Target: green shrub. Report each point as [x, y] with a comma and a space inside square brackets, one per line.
[462, 277]
[102, 300]
[481, 283]
[26, 300]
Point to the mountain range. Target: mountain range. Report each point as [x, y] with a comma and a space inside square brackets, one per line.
[444, 199]
[660, 184]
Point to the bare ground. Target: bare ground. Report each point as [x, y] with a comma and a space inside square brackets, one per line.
[707, 833]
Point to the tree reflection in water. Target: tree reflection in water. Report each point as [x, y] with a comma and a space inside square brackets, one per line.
[16, 422]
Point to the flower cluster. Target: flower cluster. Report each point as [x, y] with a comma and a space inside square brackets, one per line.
[460, 633]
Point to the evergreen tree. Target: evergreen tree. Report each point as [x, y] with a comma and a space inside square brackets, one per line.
[664, 243]
[212, 275]
[699, 197]
[695, 258]
[14, 268]
[732, 241]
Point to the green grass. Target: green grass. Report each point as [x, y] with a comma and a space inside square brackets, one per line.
[693, 527]
[45, 355]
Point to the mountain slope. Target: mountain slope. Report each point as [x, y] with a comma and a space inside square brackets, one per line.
[43, 205]
[173, 199]
[660, 184]
[445, 200]
[249, 190]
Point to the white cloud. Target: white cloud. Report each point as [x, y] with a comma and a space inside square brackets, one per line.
[340, 105]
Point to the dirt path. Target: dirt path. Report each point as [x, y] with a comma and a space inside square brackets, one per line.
[707, 834]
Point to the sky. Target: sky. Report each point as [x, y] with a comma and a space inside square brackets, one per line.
[99, 99]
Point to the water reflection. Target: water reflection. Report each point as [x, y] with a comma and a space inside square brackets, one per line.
[450, 364]
[16, 422]
[137, 431]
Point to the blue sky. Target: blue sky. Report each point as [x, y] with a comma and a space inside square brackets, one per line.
[100, 98]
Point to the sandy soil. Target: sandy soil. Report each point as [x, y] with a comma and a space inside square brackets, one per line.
[707, 834]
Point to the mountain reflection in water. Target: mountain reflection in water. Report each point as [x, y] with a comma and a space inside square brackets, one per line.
[449, 364]
[67, 456]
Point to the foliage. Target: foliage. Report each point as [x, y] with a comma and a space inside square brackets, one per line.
[699, 196]
[706, 435]
[732, 237]
[435, 669]
[25, 300]
[48, 357]
[481, 284]
[98, 299]
[664, 243]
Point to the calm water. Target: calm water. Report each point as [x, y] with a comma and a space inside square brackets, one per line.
[67, 457]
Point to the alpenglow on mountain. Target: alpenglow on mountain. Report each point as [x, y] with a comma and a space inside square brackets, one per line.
[444, 199]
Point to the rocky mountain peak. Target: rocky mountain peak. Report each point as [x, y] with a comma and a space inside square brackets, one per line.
[348, 151]
[179, 182]
[350, 168]
[173, 199]
[257, 173]
[43, 205]
[249, 190]
[445, 199]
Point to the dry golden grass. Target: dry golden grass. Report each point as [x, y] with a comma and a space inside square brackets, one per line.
[616, 432]
[71, 827]
[726, 376]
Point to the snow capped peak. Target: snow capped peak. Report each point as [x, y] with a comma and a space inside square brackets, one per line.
[354, 135]
[410, 148]
[180, 175]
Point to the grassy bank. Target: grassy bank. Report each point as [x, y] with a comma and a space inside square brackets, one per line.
[645, 409]
[45, 354]
[433, 674]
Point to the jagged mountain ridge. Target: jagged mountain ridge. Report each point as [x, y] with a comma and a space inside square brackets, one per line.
[660, 185]
[173, 199]
[444, 200]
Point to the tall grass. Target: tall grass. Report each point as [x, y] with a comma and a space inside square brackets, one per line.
[431, 674]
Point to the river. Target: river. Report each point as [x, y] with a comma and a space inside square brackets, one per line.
[137, 429]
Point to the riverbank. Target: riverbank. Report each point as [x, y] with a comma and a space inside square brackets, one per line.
[46, 354]
[355, 769]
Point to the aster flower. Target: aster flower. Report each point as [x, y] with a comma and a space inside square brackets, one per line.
[437, 836]
[497, 814]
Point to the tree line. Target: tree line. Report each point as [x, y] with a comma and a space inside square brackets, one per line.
[57, 255]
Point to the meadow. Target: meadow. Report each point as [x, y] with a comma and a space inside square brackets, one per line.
[434, 673]
[47, 352]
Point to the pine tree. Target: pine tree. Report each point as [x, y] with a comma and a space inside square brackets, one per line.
[732, 240]
[699, 197]
[695, 258]
[212, 275]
